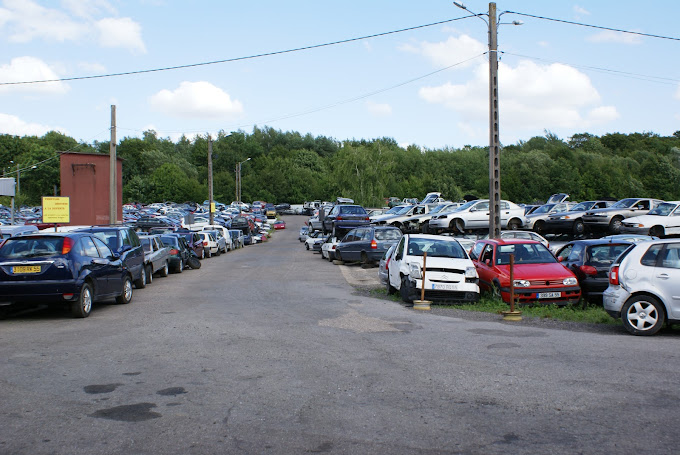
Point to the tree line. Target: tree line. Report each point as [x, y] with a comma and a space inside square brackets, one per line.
[290, 167]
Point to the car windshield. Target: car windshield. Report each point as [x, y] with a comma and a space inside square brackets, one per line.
[525, 253]
[31, 247]
[664, 209]
[404, 210]
[624, 203]
[388, 234]
[435, 248]
[397, 209]
[582, 206]
[467, 205]
[543, 209]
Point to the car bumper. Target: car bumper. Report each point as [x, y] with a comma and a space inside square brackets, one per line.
[613, 299]
[634, 230]
[436, 290]
[568, 295]
[559, 226]
[596, 223]
[43, 291]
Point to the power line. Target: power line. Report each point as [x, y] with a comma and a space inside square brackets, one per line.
[594, 26]
[235, 59]
[337, 103]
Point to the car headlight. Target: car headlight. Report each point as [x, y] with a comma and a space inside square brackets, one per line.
[569, 281]
[470, 272]
[522, 283]
[414, 270]
[565, 217]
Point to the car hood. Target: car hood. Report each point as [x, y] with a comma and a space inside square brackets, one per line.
[441, 263]
[552, 271]
[384, 218]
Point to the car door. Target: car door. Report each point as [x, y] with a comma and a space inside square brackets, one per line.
[345, 245]
[394, 264]
[112, 268]
[505, 213]
[478, 216]
[357, 244]
[484, 265]
[97, 267]
[673, 222]
[667, 277]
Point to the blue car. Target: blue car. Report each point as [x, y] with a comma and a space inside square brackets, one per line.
[73, 269]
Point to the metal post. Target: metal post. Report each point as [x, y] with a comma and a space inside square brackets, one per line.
[494, 143]
[113, 212]
[210, 182]
[18, 180]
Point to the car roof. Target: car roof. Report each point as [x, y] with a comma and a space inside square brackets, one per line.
[510, 241]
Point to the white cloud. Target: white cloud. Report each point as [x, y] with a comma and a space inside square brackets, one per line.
[531, 97]
[10, 124]
[22, 69]
[379, 109]
[580, 11]
[446, 53]
[608, 36]
[196, 99]
[121, 32]
[92, 67]
[26, 20]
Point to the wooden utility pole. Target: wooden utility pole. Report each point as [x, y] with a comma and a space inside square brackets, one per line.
[113, 187]
[494, 143]
[210, 182]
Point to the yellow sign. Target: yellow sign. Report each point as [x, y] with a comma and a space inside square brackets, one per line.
[56, 210]
[212, 207]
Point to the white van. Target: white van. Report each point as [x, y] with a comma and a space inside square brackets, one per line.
[223, 230]
[13, 230]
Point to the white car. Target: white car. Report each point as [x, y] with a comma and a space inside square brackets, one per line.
[475, 215]
[209, 244]
[450, 275]
[328, 248]
[662, 220]
[644, 286]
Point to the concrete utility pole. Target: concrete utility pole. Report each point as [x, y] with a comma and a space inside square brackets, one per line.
[113, 188]
[494, 143]
[210, 182]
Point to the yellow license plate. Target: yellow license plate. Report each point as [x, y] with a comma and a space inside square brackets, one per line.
[26, 269]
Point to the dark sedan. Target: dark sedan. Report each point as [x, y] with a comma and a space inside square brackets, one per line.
[179, 251]
[589, 260]
[367, 244]
[345, 217]
[73, 269]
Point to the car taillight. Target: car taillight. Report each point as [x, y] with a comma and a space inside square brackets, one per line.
[614, 275]
[588, 269]
[387, 264]
[333, 247]
[374, 245]
[367, 219]
[68, 244]
[205, 243]
[174, 251]
[339, 218]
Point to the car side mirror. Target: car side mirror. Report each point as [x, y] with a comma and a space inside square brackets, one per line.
[488, 262]
[125, 248]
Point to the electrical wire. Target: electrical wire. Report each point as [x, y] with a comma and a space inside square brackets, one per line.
[650, 35]
[337, 103]
[235, 59]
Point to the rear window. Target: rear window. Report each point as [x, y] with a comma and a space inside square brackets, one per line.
[353, 210]
[603, 255]
[33, 247]
[388, 234]
[169, 240]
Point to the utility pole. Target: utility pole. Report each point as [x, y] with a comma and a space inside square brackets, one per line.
[113, 188]
[210, 182]
[494, 143]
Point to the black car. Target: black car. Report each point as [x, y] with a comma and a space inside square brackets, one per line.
[367, 244]
[123, 241]
[590, 260]
[344, 217]
[179, 251]
[73, 269]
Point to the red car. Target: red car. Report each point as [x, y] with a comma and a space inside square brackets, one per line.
[279, 224]
[538, 276]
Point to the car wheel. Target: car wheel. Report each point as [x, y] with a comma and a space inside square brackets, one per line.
[514, 224]
[218, 251]
[657, 231]
[364, 258]
[643, 315]
[83, 306]
[202, 256]
[425, 227]
[391, 290]
[209, 253]
[615, 225]
[458, 226]
[306, 246]
[330, 258]
[579, 228]
[539, 227]
[149, 274]
[126, 294]
[164, 271]
[141, 282]
[180, 266]
[496, 290]
[405, 290]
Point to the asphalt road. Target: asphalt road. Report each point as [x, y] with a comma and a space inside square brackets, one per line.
[269, 349]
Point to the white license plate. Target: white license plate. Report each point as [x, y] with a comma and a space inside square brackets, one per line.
[445, 287]
[548, 295]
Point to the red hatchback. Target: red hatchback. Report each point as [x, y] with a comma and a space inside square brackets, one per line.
[537, 275]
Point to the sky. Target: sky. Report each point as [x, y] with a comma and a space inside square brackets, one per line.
[427, 86]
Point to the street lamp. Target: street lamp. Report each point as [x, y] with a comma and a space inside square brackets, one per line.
[238, 182]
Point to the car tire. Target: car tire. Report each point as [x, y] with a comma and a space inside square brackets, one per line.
[458, 226]
[337, 256]
[405, 290]
[218, 251]
[83, 306]
[514, 224]
[142, 281]
[615, 225]
[126, 294]
[149, 274]
[425, 227]
[364, 258]
[579, 228]
[496, 290]
[391, 290]
[209, 253]
[643, 315]
[306, 246]
[539, 227]
[165, 270]
[180, 267]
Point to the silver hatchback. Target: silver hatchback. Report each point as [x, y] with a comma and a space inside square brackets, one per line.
[644, 286]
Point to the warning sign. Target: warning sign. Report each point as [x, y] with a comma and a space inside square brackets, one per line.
[56, 210]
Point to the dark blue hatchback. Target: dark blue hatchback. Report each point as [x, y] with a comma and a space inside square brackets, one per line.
[73, 269]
